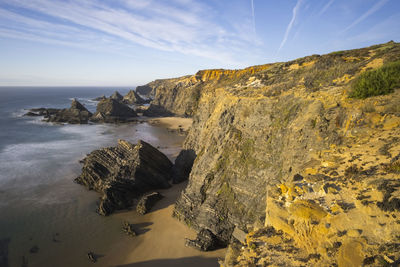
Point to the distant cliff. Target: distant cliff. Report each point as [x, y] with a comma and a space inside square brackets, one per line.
[286, 157]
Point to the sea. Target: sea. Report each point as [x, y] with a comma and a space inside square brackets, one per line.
[45, 218]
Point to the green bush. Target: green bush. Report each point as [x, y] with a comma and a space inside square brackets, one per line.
[375, 82]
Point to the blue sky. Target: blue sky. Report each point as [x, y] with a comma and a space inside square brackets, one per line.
[131, 42]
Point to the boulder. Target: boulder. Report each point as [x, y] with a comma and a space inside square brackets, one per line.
[123, 173]
[76, 114]
[110, 110]
[128, 229]
[147, 202]
[204, 241]
[183, 165]
[133, 98]
[117, 96]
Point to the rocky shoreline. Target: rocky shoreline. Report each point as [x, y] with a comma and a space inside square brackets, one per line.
[283, 166]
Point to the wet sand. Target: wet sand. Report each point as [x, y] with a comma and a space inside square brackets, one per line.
[58, 216]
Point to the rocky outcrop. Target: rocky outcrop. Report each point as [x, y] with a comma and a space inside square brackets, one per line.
[145, 90]
[275, 146]
[205, 241]
[117, 96]
[123, 173]
[147, 201]
[133, 98]
[129, 229]
[183, 165]
[76, 114]
[111, 110]
[99, 98]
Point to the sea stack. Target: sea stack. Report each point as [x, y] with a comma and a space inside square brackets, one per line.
[111, 110]
[76, 114]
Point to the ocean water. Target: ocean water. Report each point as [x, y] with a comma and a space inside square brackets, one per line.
[39, 203]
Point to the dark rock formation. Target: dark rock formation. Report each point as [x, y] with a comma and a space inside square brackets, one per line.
[123, 173]
[183, 165]
[204, 241]
[147, 202]
[117, 96]
[144, 90]
[76, 114]
[110, 110]
[133, 98]
[157, 111]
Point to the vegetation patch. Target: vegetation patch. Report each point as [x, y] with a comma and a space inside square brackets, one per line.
[380, 81]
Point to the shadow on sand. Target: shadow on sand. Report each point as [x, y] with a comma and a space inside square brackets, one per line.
[4, 252]
[190, 261]
[170, 196]
[141, 228]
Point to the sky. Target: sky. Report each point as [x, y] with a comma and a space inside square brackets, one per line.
[132, 42]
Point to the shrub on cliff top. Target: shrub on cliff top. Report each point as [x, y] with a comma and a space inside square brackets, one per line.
[381, 81]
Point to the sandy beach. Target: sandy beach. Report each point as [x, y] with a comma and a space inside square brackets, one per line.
[173, 123]
[161, 239]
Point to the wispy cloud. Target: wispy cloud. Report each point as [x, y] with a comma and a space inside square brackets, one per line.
[325, 8]
[253, 16]
[291, 23]
[185, 26]
[369, 12]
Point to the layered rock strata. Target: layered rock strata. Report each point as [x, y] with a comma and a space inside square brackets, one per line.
[284, 155]
[123, 173]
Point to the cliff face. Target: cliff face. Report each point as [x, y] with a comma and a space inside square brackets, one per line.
[284, 155]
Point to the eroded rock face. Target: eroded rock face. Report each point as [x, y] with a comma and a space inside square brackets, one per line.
[76, 114]
[275, 147]
[111, 110]
[123, 173]
[133, 98]
[147, 201]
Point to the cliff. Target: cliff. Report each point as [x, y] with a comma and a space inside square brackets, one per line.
[286, 158]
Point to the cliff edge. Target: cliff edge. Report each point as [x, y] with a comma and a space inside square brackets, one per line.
[289, 169]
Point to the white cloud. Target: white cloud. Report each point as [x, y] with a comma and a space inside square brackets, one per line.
[369, 12]
[291, 23]
[185, 26]
[325, 8]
